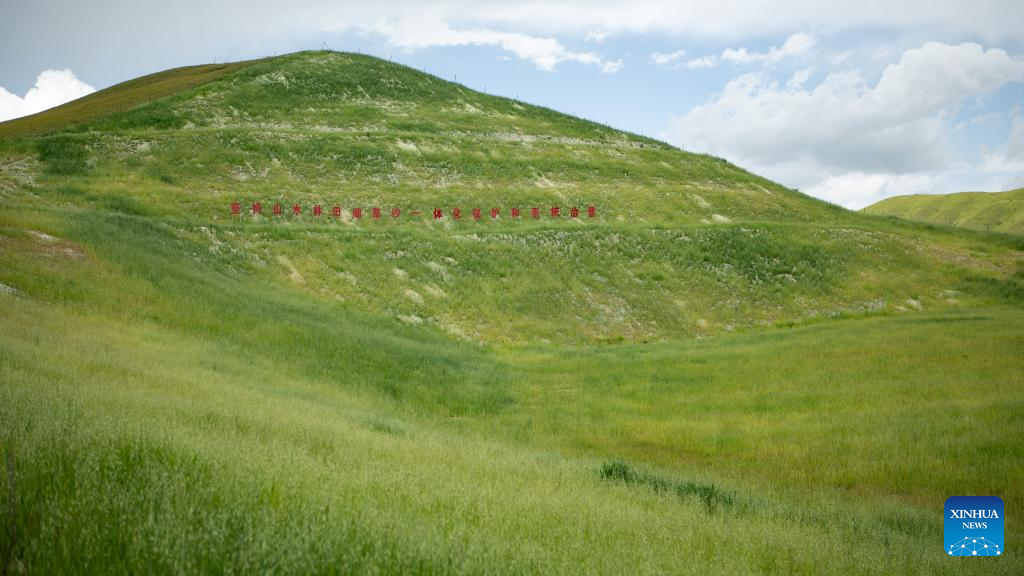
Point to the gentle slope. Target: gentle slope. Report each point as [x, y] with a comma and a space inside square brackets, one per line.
[989, 211]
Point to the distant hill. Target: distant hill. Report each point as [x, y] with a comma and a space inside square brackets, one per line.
[990, 211]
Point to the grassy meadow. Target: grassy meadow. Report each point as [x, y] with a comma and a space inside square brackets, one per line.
[715, 374]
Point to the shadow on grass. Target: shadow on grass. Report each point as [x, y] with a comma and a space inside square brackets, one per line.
[712, 497]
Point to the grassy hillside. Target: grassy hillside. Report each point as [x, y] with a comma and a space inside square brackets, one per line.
[124, 96]
[989, 211]
[681, 245]
[713, 374]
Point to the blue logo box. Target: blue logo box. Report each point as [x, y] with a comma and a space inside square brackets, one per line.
[974, 526]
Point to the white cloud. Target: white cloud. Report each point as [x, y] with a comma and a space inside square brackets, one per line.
[1014, 183]
[53, 88]
[702, 62]
[197, 30]
[843, 132]
[1007, 165]
[799, 78]
[1015, 144]
[841, 58]
[1002, 163]
[796, 45]
[671, 58]
[729, 20]
[936, 76]
[857, 189]
[612, 66]
[545, 53]
[598, 36]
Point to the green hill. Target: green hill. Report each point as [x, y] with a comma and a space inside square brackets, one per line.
[681, 244]
[711, 373]
[989, 211]
[124, 96]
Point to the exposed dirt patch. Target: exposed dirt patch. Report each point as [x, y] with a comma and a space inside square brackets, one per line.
[54, 247]
[10, 290]
[16, 172]
[414, 296]
[293, 273]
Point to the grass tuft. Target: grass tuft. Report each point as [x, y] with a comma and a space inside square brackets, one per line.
[64, 155]
[712, 497]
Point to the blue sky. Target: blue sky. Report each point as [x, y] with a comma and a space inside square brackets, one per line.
[849, 101]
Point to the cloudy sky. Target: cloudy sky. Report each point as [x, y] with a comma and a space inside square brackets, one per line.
[849, 101]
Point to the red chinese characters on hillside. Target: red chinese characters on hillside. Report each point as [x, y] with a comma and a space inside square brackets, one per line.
[316, 212]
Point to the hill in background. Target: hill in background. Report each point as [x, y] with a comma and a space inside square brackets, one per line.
[988, 211]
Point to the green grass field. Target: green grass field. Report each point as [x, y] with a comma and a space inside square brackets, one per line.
[715, 374]
[988, 211]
